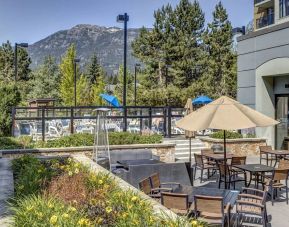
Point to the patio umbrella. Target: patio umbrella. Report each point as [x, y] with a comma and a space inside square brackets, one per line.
[112, 100]
[224, 114]
[202, 100]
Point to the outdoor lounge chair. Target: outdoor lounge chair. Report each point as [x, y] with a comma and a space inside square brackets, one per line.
[212, 210]
[265, 156]
[251, 202]
[201, 164]
[158, 186]
[178, 203]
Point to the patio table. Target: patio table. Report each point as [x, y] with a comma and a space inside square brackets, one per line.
[127, 163]
[255, 169]
[230, 196]
[279, 154]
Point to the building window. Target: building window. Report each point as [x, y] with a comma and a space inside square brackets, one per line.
[284, 8]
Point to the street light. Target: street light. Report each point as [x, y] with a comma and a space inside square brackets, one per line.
[136, 67]
[24, 45]
[75, 61]
[124, 18]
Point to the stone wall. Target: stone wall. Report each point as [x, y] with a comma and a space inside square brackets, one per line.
[246, 146]
[165, 151]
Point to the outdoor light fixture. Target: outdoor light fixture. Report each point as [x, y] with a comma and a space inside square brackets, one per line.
[124, 18]
[239, 30]
[75, 61]
[24, 45]
[136, 67]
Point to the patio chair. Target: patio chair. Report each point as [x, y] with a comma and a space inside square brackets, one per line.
[231, 176]
[252, 202]
[178, 203]
[145, 186]
[265, 156]
[201, 164]
[158, 186]
[211, 209]
[274, 183]
[238, 160]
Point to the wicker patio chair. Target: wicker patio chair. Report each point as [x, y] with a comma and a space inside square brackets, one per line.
[178, 203]
[252, 202]
[231, 176]
[202, 165]
[275, 183]
[265, 156]
[145, 186]
[158, 186]
[212, 210]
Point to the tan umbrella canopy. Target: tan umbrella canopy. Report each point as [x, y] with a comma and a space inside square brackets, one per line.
[225, 114]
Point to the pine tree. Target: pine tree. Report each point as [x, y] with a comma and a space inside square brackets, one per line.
[46, 79]
[220, 78]
[67, 81]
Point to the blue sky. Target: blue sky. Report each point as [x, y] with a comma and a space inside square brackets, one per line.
[32, 20]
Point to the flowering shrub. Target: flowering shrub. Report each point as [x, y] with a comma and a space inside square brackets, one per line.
[44, 211]
[74, 196]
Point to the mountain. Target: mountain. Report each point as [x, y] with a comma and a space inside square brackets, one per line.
[106, 42]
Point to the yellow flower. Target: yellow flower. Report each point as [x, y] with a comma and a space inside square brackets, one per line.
[99, 220]
[40, 215]
[100, 182]
[194, 222]
[69, 173]
[65, 215]
[76, 170]
[83, 221]
[124, 215]
[72, 209]
[108, 210]
[134, 198]
[50, 205]
[53, 219]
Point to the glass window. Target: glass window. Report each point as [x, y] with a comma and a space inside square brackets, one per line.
[284, 8]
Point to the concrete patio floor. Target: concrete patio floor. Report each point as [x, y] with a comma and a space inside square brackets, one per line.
[278, 214]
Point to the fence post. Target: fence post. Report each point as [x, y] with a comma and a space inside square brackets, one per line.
[43, 123]
[140, 123]
[71, 120]
[13, 121]
[125, 118]
[169, 121]
[165, 121]
[150, 118]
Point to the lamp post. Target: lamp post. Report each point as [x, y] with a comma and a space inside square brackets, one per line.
[136, 67]
[124, 18]
[24, 45]
[75, 61]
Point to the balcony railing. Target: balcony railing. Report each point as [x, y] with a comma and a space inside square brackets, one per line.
[258, 1]
[265, 21]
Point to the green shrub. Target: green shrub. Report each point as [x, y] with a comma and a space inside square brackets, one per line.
[30, 175]
[46, 212]
[25, 141]
[9, 143]
[229, 135]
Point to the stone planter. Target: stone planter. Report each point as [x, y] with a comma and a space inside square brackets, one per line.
[245, 146]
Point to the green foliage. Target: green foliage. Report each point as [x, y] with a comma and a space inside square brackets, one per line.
[9, 143]
[10, 97]
[46, 79]
[229, 135]
[30, 175]
[25, 141]
[46, 212]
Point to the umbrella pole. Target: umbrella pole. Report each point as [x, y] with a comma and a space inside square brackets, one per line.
[190, 158]
[225, 159]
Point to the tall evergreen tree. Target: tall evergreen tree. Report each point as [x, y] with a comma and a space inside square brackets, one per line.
[220, 78]
[46, 79]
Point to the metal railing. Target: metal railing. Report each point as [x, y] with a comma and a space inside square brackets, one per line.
[44, 123]
[265, 21]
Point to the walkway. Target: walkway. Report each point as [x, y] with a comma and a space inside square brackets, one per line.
[6, 189]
